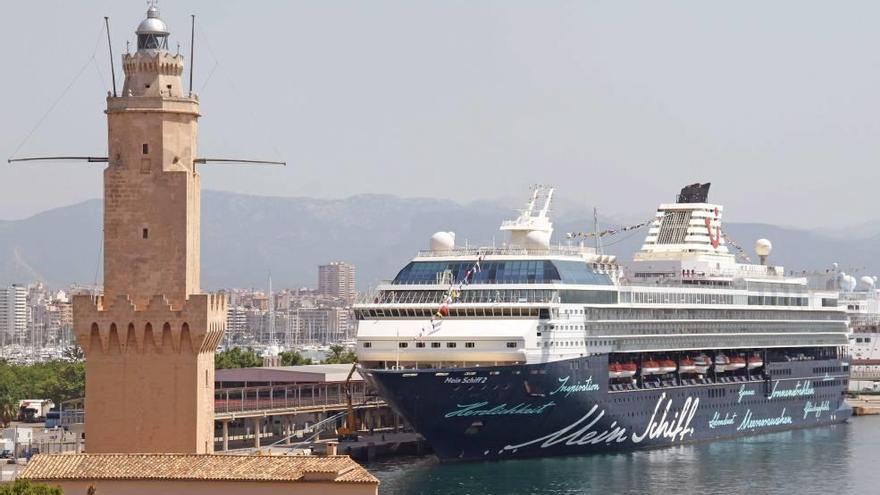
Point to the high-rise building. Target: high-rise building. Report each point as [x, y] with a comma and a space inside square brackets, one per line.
[149, 340]
[337, 279]
[13, 314]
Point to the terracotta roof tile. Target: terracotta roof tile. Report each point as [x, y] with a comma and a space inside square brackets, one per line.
[338, 468]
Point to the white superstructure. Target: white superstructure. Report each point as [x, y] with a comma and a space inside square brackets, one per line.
[533, 301]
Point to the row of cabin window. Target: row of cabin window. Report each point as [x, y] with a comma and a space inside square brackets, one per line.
[435, 345]
[453, 312]
[617, 313]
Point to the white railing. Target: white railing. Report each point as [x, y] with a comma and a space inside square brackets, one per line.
[557, 250]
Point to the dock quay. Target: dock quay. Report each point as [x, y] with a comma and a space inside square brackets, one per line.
[261, 407]
[865, 405]
[368, 446]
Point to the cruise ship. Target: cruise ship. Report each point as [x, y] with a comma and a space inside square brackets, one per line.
[538, 349]
[861, 299]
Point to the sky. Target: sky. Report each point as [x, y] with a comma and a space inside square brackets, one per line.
[618, 104]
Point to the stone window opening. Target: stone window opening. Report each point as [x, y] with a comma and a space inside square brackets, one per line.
[146, 233]
[146, 148]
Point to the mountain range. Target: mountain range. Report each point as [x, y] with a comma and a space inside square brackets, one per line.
[245, 238]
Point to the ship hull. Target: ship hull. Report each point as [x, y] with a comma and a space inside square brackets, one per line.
[569, 407]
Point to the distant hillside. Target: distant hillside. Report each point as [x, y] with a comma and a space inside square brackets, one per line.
[245, 237]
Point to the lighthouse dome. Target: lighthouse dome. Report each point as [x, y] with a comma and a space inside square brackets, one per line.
[152, 24]
[152, 32]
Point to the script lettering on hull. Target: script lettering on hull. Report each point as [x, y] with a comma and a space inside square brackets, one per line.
[665, 423]
[480, 409]
[569, 388]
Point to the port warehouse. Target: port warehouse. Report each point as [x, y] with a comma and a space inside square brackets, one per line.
[280, 402]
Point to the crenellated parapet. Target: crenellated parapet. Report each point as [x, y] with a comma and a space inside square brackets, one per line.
[155, 63]
[119, 326]
[152, 73]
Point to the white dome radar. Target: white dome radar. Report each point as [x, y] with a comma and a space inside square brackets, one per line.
[443, 241]
[867, 282]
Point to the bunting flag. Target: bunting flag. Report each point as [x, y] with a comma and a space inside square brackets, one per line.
[453, 293]
[607, 232]
[739, 250]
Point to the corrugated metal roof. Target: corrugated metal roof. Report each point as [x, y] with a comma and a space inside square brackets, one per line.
[313, 373]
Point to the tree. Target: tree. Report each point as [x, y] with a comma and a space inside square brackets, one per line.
[8, 411]
[340, 355]
[237, 358]
[25, 487]
[293, 358]
[55, 380]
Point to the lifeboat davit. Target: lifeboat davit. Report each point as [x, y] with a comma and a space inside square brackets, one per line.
[686, 365]
[615, 370]
[628, 369]
[722, 363]
[702, 364]
[755, 361]
[650, 367]
[736, 363]
[667, 366]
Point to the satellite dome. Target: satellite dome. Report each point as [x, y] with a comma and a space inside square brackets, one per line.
[849, 283]
[867, 282]
[443, 241]
[763, 247]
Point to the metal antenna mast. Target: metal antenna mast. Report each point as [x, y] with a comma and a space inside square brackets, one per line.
[110, 46]
[192, 52]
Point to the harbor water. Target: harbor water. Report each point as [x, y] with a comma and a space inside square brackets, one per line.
[837, 459]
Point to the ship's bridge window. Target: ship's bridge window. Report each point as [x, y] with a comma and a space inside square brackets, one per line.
[420, 344]
[367, 344]
[503, 272]
[402, 344]
[469, 345]
[435, 344]
[451, 345]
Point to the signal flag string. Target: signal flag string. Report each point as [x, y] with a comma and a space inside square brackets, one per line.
[452, 294]
[607, 232]
[739, 250]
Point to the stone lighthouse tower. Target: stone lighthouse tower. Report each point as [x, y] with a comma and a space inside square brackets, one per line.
[149, 341]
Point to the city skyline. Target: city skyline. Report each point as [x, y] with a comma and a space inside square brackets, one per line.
[36, 319]
[469, 97]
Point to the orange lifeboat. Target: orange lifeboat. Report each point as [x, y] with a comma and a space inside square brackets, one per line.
[650, 367]
[686, 365]
[628, 369]
[667, 366]
[615, 370]
[755, 361]
[736, 363]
